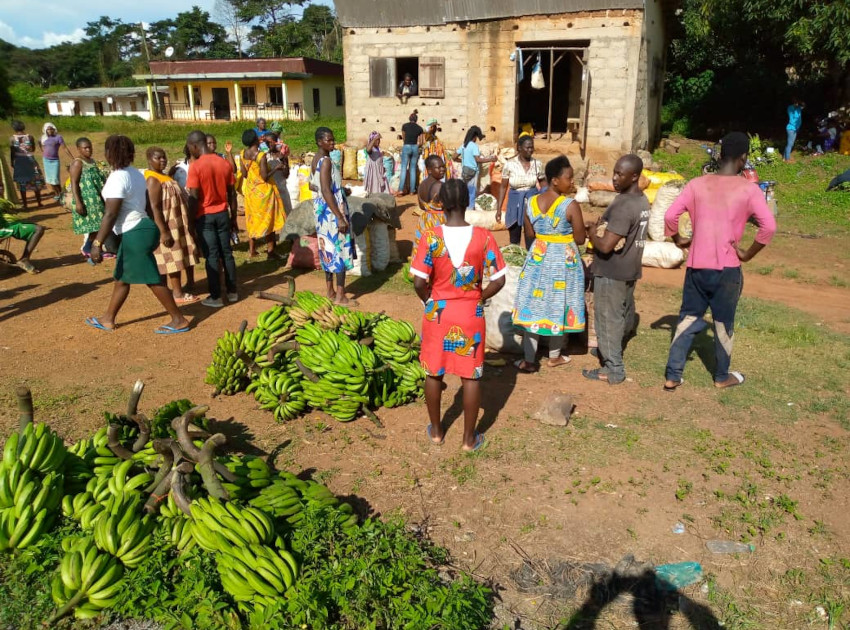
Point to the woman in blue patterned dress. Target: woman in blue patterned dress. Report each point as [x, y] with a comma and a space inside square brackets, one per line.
[550, 294]
[336, 245]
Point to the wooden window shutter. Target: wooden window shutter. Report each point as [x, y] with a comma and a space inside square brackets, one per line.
[381, 76]
[432, 77]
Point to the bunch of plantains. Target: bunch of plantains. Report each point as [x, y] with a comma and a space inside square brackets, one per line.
[307, 353]
[125, 490]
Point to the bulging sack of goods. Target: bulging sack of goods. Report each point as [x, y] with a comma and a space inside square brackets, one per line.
[362, 159]
[363, 250]
[664, 198]
[656, 181]
[379, 241]
[349, 163]
[304, 192]
[305, 253]
[662, 255]
[395, 255]
[601, 198]
[502, 336]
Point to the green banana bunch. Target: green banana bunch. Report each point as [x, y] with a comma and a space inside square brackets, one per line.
[227, 373]
[276, 323]
[103, 461]
[309, 301]
[256, 573]
[169, 510]
[123, 532]
[354, 324]
[179, 531]
[88, 581]
[162, 417]
[312, 494]
[21, 527]
[38, 447]
[280, 499]
[409, 381]
[252, 473]
[77, 473]
[396, 341]
[122, 481]
[308, 335]
[218, 525]
[280, 392]
[299, 316]
[147, 457]
[256, 342]
[326, 318]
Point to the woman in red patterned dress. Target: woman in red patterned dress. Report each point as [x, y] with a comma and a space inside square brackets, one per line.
[449, 265]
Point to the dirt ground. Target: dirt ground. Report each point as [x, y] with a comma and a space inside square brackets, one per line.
[604, 487]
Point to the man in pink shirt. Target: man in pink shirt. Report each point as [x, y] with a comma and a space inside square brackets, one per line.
[719, 206]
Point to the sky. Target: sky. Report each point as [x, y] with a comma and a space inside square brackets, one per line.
[43, 23]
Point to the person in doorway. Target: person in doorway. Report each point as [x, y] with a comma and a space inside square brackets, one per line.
[211, 195]
[618, 243]
[471, 162]
[49, 144]
[795, 121]
[719, 206]
[375, 177]
[167, 199]
[411, 134]
[25, 171]
[128, 213]
[87, 180]
[449, 266]
[431, 145]
[550, 294]
[29, 233]
[521, 178]
[264, 215]
[333, 229]
[407, 88]
[429, 199]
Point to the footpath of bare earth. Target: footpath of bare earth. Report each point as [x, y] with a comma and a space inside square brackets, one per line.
[539, 506]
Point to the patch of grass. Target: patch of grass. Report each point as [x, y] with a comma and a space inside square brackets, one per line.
[683, 489]
[765, 271]
[838, 281]
[733, 614]
[791, 274]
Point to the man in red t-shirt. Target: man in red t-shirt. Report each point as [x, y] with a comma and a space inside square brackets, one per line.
[210, 185]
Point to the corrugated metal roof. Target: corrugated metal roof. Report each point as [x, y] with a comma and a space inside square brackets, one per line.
[101, 92]
[376, 13]
[280, 66]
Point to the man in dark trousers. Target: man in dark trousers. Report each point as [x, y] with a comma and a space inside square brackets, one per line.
[618, 243]
[210, 186]
[719, 206]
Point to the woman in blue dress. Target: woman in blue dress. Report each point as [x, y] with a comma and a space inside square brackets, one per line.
[336, 245]
[550, 294]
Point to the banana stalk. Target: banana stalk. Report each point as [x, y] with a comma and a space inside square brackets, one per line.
[24, 406]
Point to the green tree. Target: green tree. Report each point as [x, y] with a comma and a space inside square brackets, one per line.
[269, 13]
[5, 96]
[317, 34]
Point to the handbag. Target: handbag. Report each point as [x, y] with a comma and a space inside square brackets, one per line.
[467, 174]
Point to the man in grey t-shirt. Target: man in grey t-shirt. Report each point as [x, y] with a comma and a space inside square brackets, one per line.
[616, 268]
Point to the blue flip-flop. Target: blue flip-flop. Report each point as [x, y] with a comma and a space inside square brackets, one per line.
[479, 442]
[428, 431]
[95, 323]
[165, 329]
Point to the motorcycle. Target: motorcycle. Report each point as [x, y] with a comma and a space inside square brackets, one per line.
[749, 173]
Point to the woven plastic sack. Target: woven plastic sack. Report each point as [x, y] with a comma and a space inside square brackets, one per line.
[349, 163]
[304, 192]
[664, 198]
[663, 255]
[362, 265]
[501, 334]
[379, 241]
[305, 253]
[395, 255]
[362, 159]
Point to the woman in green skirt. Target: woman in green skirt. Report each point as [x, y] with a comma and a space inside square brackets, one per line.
[128, 213]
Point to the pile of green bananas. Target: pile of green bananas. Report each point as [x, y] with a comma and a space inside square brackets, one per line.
[122, 531]
[37, 448]
[256, 573]
[228, 373]
[218, 525]
[288, 496]
[88, 580]
[279, 390]
[276, 324]
[396, 341]
[252, 474]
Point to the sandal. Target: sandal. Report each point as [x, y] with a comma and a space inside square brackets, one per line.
[525, 370]
[433, 441]
[479, 442]
[679, 383]
[562, 361]
[27, 266]
[187, 298]
[595, 375]
[739, 378]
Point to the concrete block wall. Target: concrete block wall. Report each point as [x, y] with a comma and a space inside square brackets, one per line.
[480, 78]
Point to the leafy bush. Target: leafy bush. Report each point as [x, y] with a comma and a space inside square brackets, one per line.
[27, 101]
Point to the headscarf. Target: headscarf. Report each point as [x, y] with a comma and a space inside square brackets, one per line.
[373, 135]
[431, 122]
[47, 125]
[276, 127]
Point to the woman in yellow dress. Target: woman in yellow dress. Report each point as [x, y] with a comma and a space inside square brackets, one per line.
[264, 211]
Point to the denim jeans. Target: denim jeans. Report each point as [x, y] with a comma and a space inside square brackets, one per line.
[614, 315]
[472, 186]
[214, 238]
[409, 158]
[706, 288]
[792, 136]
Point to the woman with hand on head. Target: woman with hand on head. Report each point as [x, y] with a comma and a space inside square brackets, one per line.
[128, 213]
[264, 214]
[167, 199]
[449, 266]
[87, 180]
[336, 244]
[550, 295]
[375, 178]
[49, 144]
[472, 161]
[521, 177]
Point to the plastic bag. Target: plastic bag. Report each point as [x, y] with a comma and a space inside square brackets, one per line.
[537, 81]
[498, 316]
[664, 198]
[305, 253]
[379, 241]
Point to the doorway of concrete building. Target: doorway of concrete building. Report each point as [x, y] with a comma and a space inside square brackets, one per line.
[220, 103]
[558, 110]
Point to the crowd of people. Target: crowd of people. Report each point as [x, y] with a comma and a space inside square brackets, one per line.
[167, 219]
